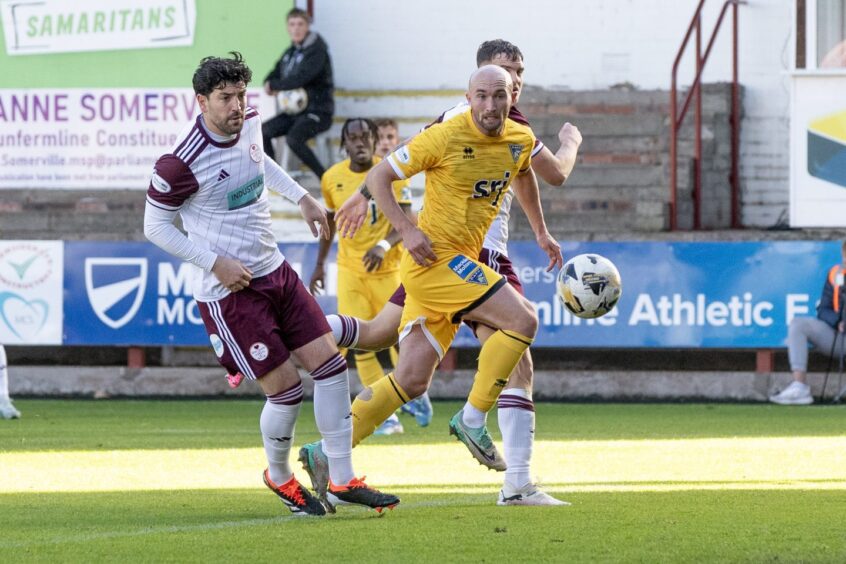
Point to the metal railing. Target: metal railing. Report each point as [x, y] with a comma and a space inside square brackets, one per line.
[695, 94]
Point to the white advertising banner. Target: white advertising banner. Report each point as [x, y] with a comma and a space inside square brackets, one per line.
[818, 151]
[93, 137]
[31, 296]
[58, 26]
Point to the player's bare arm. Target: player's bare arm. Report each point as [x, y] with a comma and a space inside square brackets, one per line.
[351, 215]
[416, 242]
[317, 282]
[373, 258]
[526, 190]
[556, 167]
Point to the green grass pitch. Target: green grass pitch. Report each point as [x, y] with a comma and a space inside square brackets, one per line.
[180, 481]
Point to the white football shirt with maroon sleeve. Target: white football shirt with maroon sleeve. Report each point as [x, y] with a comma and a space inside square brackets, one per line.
[219, 190]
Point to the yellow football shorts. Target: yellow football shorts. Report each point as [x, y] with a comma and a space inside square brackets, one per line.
[364, 295]
[438, 295]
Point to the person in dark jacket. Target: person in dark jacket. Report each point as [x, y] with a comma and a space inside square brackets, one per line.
[825, 331]
[305, 65]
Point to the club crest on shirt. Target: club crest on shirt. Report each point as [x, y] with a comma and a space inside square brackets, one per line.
[515, 151]
[255, 153]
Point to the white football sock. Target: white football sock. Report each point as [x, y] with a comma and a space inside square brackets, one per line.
[277, 422]
[333, 414]
[474, 417]
[516, 417]
[4, 376]
[344, 330]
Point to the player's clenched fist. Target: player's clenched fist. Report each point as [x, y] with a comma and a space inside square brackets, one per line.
[569, 134]
[232, 274]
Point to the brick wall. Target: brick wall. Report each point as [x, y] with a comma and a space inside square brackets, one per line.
[621, 182]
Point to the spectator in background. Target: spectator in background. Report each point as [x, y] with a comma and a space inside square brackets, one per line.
[388, 136]
[825, 331]
[304, 66]
[7, 410]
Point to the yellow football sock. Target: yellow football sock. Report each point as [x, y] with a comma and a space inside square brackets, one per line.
[498, 357]
[373, 405]
[368, 367]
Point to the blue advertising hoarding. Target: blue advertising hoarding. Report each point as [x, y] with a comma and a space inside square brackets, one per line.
[675, 295]
[132, 293]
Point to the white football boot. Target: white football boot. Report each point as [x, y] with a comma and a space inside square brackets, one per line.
[8, 411]
[530, 494]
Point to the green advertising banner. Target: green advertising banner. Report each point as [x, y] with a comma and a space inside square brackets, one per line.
[93, 91]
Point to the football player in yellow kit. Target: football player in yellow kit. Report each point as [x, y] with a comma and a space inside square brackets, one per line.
[515, 406]
[469, 162]
[368, 263]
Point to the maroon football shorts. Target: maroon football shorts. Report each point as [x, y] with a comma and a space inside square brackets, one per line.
[254, 330]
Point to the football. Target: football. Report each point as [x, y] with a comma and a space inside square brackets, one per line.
[292, 101]
[589, 285]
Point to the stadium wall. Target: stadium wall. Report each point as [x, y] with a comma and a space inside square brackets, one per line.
[405, 56]
[549, 385]
[574, 45]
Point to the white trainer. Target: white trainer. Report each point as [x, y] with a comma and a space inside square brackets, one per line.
[796, 393]
[8, 411]
[530, 494]
[391, 426]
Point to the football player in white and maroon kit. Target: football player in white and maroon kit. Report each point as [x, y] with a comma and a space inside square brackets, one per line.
[515, 406]
[256, 310]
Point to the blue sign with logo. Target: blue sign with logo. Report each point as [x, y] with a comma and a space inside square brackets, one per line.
[675, 295]
[132, 293]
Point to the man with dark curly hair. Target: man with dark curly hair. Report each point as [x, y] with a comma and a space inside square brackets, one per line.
[255, 309]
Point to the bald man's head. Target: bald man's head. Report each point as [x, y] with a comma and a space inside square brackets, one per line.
[489, 74]
[489, 94]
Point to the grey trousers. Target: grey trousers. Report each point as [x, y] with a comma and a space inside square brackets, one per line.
[810, 329]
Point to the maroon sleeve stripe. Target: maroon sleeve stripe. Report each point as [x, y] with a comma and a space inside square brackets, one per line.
[180, 182]
[518, 116]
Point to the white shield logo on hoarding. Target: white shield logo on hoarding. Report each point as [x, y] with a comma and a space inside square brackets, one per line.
[127, 275]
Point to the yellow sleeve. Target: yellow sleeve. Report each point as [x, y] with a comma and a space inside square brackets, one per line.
[526, 162]
[402, 192]
[326, 193]
[424, 151]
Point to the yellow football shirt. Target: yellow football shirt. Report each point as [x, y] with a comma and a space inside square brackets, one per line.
[467, 174]
[338, 184]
